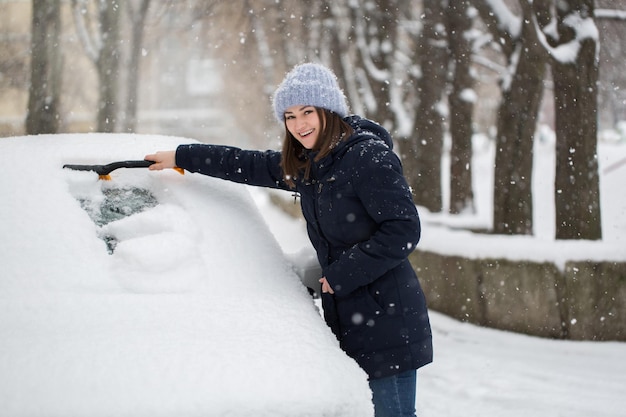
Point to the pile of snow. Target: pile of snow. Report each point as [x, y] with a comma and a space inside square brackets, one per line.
[193, 311]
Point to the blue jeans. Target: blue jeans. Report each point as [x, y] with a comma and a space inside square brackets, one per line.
[394, 396]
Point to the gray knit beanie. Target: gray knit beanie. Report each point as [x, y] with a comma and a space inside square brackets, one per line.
[309, 85]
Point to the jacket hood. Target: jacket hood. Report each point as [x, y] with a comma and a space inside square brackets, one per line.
[366, 129]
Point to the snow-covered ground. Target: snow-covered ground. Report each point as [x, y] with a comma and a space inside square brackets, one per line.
[195, 313]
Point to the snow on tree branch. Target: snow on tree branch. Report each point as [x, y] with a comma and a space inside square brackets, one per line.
[584, 28]
[488, 63]
[610, 14]
[506, 20]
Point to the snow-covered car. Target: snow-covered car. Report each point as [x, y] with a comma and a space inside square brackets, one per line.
[152, 294]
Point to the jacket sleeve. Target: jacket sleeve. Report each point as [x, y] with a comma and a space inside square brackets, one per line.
[380, 185]
[259, 168]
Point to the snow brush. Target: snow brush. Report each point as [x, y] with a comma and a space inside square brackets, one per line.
[103, 171]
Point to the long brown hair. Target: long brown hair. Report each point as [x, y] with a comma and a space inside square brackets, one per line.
[293, 160]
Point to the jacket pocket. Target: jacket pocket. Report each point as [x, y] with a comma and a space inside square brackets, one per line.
[359, 309]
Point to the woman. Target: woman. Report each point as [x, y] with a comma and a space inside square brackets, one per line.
[360, 218]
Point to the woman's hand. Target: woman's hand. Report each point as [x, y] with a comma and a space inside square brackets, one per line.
[326, 286]
[162, 159]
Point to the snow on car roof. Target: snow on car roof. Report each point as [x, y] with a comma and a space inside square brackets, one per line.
[190, 307]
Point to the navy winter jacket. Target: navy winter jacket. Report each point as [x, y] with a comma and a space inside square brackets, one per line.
[363, 223]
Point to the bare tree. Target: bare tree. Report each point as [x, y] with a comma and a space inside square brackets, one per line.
[461, 99]
[522, 89]
[575, 74]
[137, 14]
[46, 68]
[100, 38]
[422, 156]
